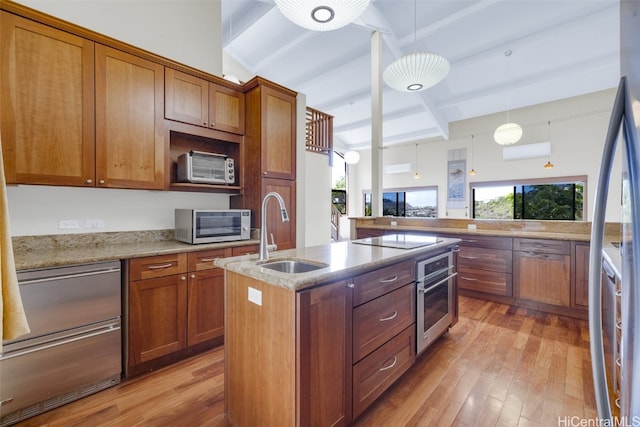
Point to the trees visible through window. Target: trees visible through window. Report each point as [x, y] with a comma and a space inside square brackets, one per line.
[413, 202]
[559, 199]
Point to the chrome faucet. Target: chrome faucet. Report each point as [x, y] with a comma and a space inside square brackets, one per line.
[264, 247]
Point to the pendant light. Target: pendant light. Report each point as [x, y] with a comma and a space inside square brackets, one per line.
[417, 175]
[472, 172]
[322, 15]
[231, 77]
[549, 165]
[508, 133]
[418, 70]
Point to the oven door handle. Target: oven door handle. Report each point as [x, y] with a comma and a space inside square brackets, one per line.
[421, 289]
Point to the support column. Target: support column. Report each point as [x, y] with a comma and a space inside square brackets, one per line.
[376, 124]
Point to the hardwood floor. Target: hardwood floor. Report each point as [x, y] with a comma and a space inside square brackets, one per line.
[499, 366]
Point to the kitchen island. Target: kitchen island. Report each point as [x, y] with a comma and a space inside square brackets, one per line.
[318, 347]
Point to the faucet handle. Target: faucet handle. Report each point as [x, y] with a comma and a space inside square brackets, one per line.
[272, 246]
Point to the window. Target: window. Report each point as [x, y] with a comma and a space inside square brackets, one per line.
[410, 202]
[339, 183]
[553, 199]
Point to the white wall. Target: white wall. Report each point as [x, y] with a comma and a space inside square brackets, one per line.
[187, 31]
[577, 132]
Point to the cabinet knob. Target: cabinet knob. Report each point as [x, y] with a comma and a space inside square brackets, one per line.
[351, 285]
[205, 123]
[183, 278]
[212, 124]
[193, 276]
[89, 181]
[101, 182]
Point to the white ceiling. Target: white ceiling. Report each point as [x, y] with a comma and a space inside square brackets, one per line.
[561, 48]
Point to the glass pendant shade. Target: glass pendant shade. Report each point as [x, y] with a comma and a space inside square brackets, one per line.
[508, 133]
[416, 71]
[351, 157]
[322, 15]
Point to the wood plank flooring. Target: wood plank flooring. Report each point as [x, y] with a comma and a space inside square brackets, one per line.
[499, 366]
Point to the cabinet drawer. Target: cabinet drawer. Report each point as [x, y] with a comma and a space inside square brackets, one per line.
[384, 280]
[560, 247]
[377, 321]
[490, 242]
[203, 260]
[157, 266]
[491, 282]
[485, 259]
[244, 250]
[374, 374]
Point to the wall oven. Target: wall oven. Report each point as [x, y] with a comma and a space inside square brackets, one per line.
[434, 302]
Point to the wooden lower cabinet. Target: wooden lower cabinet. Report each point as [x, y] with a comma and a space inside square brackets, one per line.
[580, 275]
[485, 265]
[176, 303]
[157, 309]
[317, 357]
[542, 271]
[324, 354]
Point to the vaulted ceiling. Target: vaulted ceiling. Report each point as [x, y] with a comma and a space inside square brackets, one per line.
[560, 48]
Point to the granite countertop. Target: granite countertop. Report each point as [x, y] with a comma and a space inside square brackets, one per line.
[343, 259]
[34, 252]
[533, 234]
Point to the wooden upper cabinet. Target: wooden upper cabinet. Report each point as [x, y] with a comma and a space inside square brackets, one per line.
[279, 134]
[196, 101]
[47, 104]
[226, 109]
[129, 122]
[270, 132]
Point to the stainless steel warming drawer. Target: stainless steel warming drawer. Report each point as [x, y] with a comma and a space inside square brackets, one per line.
[74, 348]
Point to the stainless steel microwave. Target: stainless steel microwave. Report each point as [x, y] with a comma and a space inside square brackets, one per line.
[205, 168]
[211, 226]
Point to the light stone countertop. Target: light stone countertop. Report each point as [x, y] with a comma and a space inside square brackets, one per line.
[45, 257]
[343, 259]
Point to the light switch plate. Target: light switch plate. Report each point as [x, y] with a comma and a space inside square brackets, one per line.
[255, 296]
[68, 224]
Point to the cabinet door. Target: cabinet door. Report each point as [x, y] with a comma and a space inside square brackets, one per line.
[186, 98]
[157, 316]
[205, 310]
[226, 109]
[129, 121]
[278, 134]
[47, 104]
[284, 233]
[324, 352]
[542, 277]
[581, 276]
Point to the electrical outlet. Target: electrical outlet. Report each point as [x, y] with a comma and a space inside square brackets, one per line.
[68, 224]
[255, 296]
[94, 223]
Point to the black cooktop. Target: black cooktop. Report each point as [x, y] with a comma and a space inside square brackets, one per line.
[399, 241]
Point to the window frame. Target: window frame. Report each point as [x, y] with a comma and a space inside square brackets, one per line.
[401, 190]
[530, 181]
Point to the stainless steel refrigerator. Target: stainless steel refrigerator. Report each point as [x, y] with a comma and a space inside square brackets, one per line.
[624, 130]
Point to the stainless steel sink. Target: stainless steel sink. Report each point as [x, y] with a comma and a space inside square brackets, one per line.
[293, 266]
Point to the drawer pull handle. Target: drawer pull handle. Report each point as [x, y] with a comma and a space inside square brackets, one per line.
[468, 257]
[6, 401]
[619, 362]
[618, 402]
[469, 240]
[158, 267]
[395, 359]
[393, 316]
[351, 285]
[619, 325]
[208, 259]
[470, 279]
[393, 279]
[618, 293]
